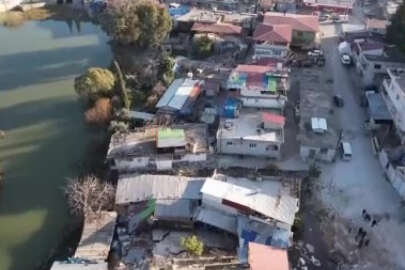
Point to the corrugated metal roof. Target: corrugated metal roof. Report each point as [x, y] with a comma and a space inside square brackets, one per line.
[263, 257]
[96, 238]
[137, 188]
[76, 266]
[141, 115]
[175, 209]
[281, 207]
[217, 219]
[169, 94]
[177, 93]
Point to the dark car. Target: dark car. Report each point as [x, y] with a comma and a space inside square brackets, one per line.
[338, 100]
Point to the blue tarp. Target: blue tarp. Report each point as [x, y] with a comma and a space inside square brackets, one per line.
[181, 10]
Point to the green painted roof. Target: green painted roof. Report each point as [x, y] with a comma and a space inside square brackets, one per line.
[168, 137]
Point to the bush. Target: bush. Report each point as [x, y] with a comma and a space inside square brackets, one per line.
[100, 113]
[192, 245]
[95, 83]
[166, 72]
[203, 46]
[118, 126]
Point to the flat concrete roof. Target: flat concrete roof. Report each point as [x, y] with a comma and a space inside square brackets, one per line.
[249, 126]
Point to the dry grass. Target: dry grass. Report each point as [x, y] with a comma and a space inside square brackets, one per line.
[17, 18]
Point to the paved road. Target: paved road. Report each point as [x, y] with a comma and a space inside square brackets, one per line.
[360, 184]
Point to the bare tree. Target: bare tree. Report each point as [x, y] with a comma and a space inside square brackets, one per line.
[88, 196]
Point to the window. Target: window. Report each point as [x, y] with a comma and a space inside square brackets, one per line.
[324, 151]
[252, 145]
[228, 143]
[377, 66]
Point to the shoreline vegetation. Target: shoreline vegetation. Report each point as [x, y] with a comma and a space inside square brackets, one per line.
[16, 18]
[107, 93]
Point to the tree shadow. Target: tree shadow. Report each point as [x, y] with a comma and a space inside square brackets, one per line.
[33, 179]
[23, 69]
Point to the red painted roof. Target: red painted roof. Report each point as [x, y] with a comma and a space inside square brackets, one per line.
[263, 257]
[254, 68]
[217, 28]
[273, 118]
[280, 33]
[307, 23]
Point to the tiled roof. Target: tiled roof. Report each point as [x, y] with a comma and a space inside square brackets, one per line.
[280, 33]
[297, 22]
[273, 118]
[263, 257]
[217, 28]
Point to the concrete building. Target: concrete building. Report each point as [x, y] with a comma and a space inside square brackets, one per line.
[319, 131]
[393, 93]
[377, 26]
[260, 86]
[373, 67]
[305, 28]
[393, 163]
[155, 148]
[271, 41]
[336, 6]
[253, 133]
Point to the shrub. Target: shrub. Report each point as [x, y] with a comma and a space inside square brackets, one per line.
[192, 245]
[95, 83]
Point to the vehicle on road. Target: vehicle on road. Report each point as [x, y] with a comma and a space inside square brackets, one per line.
[346, 59]
[346, 150]
[338, 101]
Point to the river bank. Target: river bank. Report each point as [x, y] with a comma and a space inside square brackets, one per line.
[17, 18]
[47, 140]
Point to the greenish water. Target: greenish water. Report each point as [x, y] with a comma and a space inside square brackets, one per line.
[46, 136]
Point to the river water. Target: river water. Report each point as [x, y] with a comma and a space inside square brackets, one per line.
[46, 135]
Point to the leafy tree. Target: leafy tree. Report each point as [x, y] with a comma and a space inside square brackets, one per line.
[396, 30]
[166, 72]
[95, 83]
[144, 23]
[203, 46]
[193, 245]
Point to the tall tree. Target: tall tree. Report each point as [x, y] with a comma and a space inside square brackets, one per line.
[396, 30]
[143, 23]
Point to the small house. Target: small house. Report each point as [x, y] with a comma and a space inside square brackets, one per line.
[252, 133]
[156, 148]
[260, 86]
[305, 28]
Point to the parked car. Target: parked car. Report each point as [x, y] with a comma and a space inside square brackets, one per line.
[338, 100]
[346, 150]
[346, 59]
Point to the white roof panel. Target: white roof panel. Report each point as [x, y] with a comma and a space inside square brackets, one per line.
[177, 94]
[281, 207]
